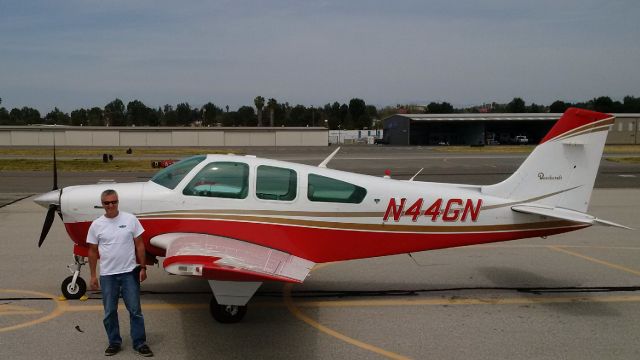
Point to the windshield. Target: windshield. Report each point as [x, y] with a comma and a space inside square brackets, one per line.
[171, 176]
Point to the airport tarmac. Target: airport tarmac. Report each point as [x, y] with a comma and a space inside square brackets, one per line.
[570, 296]
[404, 162]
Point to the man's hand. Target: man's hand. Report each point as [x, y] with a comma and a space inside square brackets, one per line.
[94, 284]
[143, 274]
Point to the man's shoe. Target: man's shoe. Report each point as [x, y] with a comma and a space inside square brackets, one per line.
[144, 351]
[112, 350]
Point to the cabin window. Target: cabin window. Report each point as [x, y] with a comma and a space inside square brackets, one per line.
[274, 183]
[325, 189]
[220, 179]
[171, 176]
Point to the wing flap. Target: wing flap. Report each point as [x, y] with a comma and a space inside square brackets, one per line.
[220, 258]
[563, 214]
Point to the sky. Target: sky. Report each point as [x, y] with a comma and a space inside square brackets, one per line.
[75, 54]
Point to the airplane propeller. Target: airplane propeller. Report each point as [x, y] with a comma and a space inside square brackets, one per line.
[51, 198]
[48, 221]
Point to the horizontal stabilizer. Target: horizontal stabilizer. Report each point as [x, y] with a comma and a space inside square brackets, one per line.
[563, 214]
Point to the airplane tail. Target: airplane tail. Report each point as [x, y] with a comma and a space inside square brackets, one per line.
[561, 170]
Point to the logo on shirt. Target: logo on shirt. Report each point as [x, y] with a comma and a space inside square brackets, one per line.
[122, 226]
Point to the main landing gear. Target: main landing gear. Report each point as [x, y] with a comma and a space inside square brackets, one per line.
[74, 287]
[226, 314]
[229, 302]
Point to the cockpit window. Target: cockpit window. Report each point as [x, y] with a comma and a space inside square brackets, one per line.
[275, 183]
[325, 189]
[170, 176]
[220, 179]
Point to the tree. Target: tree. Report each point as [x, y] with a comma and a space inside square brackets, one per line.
[245, 116]
[79, 117]
[516, 106]
[334, 115]
[358, 113]
[15, 116]
[31, 116]
[57, 117]
[209, 114]
[183, 114]
[114, 113]
[440, 108]
[631, 104]
[559, 106]
[259, 102]
[535, 108]
[272, 105]
[155, 117]
[602, 104]
[137, 113]
[95, 117]
[5, 119]
[298, 117]
[169, 117]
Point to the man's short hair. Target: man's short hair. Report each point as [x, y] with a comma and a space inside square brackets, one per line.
[108, 192]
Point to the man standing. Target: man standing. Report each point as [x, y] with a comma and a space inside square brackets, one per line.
[115, 236]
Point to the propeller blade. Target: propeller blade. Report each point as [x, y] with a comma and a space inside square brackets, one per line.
[48, 221]
[55, 168]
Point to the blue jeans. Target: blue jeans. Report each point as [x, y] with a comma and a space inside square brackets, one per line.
[127, 285]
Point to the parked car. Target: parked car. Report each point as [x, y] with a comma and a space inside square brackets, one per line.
[521, 139]
[380, 141]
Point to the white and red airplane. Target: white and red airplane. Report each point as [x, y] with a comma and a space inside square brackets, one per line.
[238, 221]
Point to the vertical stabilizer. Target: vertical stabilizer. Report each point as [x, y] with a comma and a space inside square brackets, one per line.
[561, 171]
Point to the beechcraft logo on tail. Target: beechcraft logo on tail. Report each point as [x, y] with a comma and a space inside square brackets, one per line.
[542, 176]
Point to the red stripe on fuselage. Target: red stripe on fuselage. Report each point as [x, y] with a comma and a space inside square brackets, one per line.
[320, 244]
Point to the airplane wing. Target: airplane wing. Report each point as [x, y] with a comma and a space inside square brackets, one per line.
[219, 258]
[564, 214]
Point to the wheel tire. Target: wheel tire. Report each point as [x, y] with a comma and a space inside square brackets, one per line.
[76, 292]
[226, 314]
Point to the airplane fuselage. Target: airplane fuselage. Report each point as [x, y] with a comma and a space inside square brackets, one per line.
[389, 217]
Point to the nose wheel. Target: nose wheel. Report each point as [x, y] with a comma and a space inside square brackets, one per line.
[226, 314]
[71, 290]
[74, 287]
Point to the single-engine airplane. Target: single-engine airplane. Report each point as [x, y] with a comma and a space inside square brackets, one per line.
[238, 221]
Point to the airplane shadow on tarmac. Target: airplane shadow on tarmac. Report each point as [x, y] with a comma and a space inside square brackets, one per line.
[534, 286]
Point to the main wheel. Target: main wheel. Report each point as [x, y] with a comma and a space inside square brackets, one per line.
[73, 292]
[226, 314]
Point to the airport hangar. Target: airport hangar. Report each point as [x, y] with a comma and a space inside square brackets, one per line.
[487, 129]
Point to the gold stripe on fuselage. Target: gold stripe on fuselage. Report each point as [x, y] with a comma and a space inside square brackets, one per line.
[382, 227]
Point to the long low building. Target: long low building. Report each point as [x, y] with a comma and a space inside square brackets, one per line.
[482, 129]
[41, 135]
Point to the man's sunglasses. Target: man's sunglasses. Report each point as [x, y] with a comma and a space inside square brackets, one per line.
[110, 202]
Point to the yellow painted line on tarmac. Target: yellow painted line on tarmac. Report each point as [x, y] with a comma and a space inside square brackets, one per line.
[59, 309]
[472, 301]
[301, 316]
[145, 307]
[6, 310]
[597, 261]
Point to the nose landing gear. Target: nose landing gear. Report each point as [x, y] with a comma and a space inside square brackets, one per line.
[74, 287]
